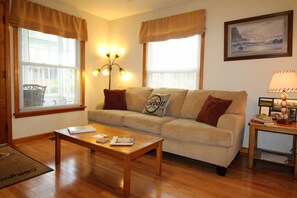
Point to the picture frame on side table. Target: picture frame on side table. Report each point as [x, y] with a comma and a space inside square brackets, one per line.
[276, 115]
[266, 36]
[293, 115]
[265, 110]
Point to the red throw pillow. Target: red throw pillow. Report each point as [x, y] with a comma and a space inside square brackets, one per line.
[212, 110]
[115, 99]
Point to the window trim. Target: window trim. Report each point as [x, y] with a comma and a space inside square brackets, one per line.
[201, 69]
[18, 113]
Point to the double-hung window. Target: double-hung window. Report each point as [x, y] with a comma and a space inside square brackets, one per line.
[49, 56]
[52, 62]
[174, 50]
[174, 63]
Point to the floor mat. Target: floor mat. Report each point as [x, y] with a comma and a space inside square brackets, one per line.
[16, 167]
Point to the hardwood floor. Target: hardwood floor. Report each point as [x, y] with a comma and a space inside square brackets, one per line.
[86, 174]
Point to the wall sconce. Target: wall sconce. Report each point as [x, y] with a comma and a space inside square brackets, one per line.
[284, 81]
[106, 69]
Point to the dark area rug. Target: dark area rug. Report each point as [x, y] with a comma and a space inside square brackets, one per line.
[16, 167]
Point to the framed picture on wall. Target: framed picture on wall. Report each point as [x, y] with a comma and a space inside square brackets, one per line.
[265, 36]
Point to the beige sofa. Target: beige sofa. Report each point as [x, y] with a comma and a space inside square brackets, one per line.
[182, 134]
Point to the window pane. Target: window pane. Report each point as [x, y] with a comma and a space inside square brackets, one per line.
[50, 62]
[174, 63]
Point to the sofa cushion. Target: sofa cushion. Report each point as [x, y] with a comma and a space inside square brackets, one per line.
[177, 97]
[212, 110]
[144, 122]
[156, 104]
[194, 102]
[115, 99]
[136, 97]
[192, 131]
[196, 98]
[112, 117]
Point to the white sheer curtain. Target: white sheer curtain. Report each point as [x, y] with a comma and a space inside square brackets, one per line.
[174, 63]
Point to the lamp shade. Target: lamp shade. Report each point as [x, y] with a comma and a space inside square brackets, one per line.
[284, 80]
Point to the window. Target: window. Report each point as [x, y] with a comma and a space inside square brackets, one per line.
[174, 63]
[49, 73]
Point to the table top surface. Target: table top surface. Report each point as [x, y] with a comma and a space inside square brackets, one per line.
[289, 126]
[277, 128]
[141, 140]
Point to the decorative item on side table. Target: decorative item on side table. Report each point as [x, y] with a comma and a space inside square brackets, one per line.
[262, 119]
[284, 81]
[107, 68]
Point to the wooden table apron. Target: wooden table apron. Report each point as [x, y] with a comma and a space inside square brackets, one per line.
[127, 158]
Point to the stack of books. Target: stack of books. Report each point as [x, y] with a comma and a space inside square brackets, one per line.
[262, 119]
[81, 129]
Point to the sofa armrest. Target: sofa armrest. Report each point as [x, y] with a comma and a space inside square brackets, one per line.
[100, 105]
[232, 122]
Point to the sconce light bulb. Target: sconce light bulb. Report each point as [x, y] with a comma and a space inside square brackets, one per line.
[118, 54]
[95, 72]
[105, 72]
[122, 72]
[107, 54]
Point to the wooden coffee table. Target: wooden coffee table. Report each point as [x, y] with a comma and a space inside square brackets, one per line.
[142, 145]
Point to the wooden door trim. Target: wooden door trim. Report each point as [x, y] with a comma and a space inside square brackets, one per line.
[7, 71]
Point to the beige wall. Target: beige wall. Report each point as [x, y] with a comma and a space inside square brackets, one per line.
[250, 75]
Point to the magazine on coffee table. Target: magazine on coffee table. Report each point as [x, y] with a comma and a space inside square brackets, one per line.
[81, 129]
[122, 140]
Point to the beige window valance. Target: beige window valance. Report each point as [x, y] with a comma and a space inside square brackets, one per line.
[29, 15]
[172, 27]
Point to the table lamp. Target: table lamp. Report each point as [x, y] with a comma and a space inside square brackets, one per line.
[284, 81]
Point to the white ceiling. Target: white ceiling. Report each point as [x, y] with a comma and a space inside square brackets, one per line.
[115, 9]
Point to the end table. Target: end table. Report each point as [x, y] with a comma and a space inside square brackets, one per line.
[267, 155]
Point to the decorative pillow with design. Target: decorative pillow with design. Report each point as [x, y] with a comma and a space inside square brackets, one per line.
[115, 99]
[156, 104]
[212, 110]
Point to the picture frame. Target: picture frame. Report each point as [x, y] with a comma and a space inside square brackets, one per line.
[272, 107]
[265, 110]
[293, 115]
[266, 36]
[276, 115]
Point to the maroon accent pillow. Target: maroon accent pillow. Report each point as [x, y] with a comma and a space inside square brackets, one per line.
[212, 110]
[115, 99]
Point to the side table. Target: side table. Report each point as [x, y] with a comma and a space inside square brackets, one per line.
[261, 154]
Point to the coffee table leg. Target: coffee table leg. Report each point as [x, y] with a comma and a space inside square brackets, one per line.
[57, 149]
[159, 158]
[127, 175]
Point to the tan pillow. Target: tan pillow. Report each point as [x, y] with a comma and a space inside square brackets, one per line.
[136, 97]
[156, 104]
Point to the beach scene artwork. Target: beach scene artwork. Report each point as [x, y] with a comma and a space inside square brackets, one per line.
[267, 36]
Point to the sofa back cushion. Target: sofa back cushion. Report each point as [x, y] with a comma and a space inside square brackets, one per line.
[136, 97]
[196, 98]
[177, 97]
